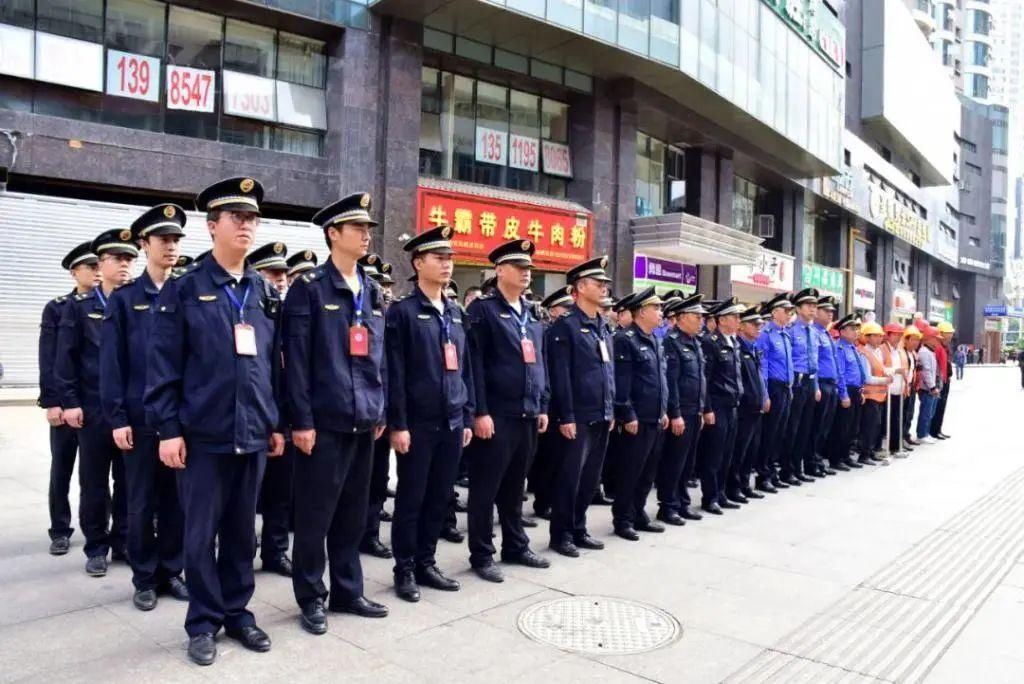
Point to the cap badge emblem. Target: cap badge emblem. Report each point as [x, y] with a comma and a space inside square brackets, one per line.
[364, 201]
[247, 184]
[169, 211]
[278, 247]
[125, 235]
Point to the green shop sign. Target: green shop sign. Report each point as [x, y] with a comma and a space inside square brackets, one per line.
[816, 24]
[827, 281]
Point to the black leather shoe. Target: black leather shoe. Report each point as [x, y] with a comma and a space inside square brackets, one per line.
[175, 588]
[405, 586]
[783, 483]
[282, 565]
[566, 548]
[585, 541]
[462, 482]
[527, 522]
[96, 566]
[385, 516]
[866, 462]
[527, 558]
[431, 577]
[736, 497]
[829, 471]
[314, 617]
[118, 555]
[376, 548]
[941, 435]
[648, 526]
[803, 478]
[628, 533]
[728, 505]
[671, 518]
[144, 599]
[692, 484]
[852, 465]
[713, 509]
[751, 494]
[601, 500]
[252, 637]
[766, 487]
[842, 467]
[59, 546]
[450, 534]
[689, 514]
[490, 572]
[544, 513]
[363, 607]
[791, 481]
[202, 649]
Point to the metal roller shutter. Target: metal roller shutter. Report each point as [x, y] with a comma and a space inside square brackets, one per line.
[36, 231]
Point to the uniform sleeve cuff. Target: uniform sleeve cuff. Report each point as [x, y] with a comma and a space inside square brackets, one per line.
[170, 429]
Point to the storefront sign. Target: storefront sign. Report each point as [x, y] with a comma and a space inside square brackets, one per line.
[904, 302]
[69, 62]
[480, 224]
[190, 89]
[556, 158]
[996, 310]
[940, 310]
[663, 274]
[995, 325]
[863, 293]
[133, 76]
[523, 153]
[16, 48]
[250, 96]
[839, 189]
[898, 219]
[827, 281]
[491, 146]
[975, 263]
[771, 271]
[821, 29]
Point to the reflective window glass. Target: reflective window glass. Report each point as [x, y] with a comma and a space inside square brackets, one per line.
[82, 19]
[249, 48]
[136, 26]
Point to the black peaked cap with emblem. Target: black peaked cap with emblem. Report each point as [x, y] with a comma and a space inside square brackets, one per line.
[751, 315]
[847, 321]
[371, 264]
[271, 255]
[808, 295]
[516, 252]
[115, 241]
[303, 261]
[691, 304]
[437, 240]
[728, 307]
[622, 304]
[183, 261]
[645, 297]
[780, 300]
[559, 297]
[453, 286]
[594, 268]
[232, 194]
[827, 302]
[352, 209]
[80, 254]
[709, 306]
[163, 219]
[489, 285]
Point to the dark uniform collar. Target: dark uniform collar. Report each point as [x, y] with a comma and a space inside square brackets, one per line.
[148, 286]
[640, 332]
[424, 300]
[221, 277]
[338, 280]
[583, 314]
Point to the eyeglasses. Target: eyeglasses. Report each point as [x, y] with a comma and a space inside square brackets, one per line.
[242, 217]
[117, 257]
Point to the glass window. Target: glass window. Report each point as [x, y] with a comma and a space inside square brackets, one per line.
[665, 30]
[568, 13]
[744, 204]
[18, 13]
[244, 132]
[121, 111]
[650, 175]
[491, 112]
[634, 24]
[301, 60]
[15, 94]
[433, 160]
[675, 179]
[554, 121]
[82, 19]
[463, 122]
[136, 26]
[194, 38]
[249, 48]
[68, 103]
[599, 19]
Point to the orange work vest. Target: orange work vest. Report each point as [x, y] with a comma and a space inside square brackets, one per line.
[879, 393]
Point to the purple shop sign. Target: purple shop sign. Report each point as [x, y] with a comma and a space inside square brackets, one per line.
[663, 271]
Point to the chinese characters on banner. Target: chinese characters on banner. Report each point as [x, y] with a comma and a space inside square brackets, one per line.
[480, 224]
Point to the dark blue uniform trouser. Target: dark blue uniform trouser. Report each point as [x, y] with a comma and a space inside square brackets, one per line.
[745, 450]
[575, 477]
[773, 431]
[637, 467]
[679, 455]
[332, 486]
[275, 503]
[63, 448]
[496, 476]
[609, 471]
[218, 494]
[799, 430]
[426, 475]
[380, 470]
[824, 414]
[544, 471]
[99, 461]
[155, 552]
[716, 444]
[844, 428]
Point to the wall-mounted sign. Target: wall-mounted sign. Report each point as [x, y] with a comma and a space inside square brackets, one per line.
[299, 105]
[523, 153]
[250, 96]
[771, 271]
[904, 302]
[863, 293]
[190, 89]
[556, 158]
[491, 146]
[663, 274]
[940, 310]
[839, 189]
[69, 62]
[816, 24]
[133, 76]
[827, 281]
[976, 263]
[898, 219]
[17, 46]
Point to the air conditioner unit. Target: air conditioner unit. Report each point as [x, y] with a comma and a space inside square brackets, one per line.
[765, 225]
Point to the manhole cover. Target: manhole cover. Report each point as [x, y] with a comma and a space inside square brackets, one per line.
[599, 625]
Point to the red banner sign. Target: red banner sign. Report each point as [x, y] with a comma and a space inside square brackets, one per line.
[480, 224]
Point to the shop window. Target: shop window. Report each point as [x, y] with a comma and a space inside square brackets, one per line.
[244, 132]
[120, 111]
[301, 60]
[15, 94]
[432, 142]
[82, 19]
[194, 40]
[864, 258]
[554, 121]
[18, 13]
[136, 26]
[249, 48]
[67, 103]
[292, 141]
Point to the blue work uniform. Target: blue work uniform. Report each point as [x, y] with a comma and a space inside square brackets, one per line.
[749, 419]
[224, 403]
[155, 552]
[833, 388]
[850, 368]
[725, 389]
[341, 396]
[805, 386]
[687, 392]
[777, 365]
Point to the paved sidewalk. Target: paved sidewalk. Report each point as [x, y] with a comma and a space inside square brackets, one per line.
[905, 573]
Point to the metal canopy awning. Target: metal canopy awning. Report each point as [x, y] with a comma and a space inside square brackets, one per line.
[690, 239]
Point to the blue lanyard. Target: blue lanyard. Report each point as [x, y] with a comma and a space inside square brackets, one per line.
[99, 296]
[523, 319]
[357, 302]
[240, 305]
[446, 325]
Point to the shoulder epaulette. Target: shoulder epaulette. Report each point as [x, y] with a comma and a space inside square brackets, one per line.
[185, 271]
[673, 335]
[60, 300]
[312, 274]
[629, 333]
[565, 314]
[125, 284]
[489, 295]
[83, 296]
[714, 337]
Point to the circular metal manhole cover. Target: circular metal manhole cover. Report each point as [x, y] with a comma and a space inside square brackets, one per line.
[599, 625]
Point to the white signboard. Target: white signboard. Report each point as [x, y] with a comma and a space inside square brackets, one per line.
[556, 158]
[69, 62]
[190, 89]
[16, 51]
[491, 146]
[904, 301]
[771, 271]
[250, 96]
[300, 105]
[863, 293]
[133, 76]
[524, 153]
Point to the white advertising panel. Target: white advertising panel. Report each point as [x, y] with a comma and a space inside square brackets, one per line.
[300, 105]
[523, 153]
[250, 96]
[133, 76]
[70, 62]
[190, 89]
[17, 46]
[491, 146]
[556, 158]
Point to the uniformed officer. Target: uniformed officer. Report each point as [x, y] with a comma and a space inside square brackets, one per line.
[641, 402]
[725, 389]
[582, 403]
[77, 373]
[806, 392]
[275, 500]
[511, 394]
[80, 262]
[776, 349]
[154, 551]
[710, 324]
[211, 388]
[430, 411]
[753, 405]
[831, 384]
[334, 360]
[687, 392]
[300, 262]
[623, 319]
[847, 420]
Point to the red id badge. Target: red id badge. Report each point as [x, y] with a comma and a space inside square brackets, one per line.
[529, 353]
[451, 357]
[245, 339]
[358, 341]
